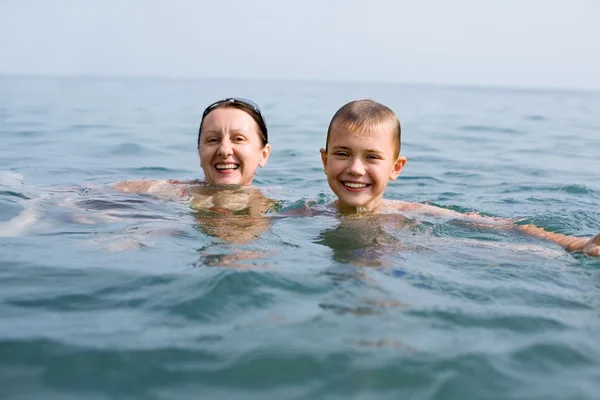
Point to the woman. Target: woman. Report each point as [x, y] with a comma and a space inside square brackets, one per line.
[232, 144]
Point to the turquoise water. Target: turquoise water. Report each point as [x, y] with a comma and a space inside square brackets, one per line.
[149, 305]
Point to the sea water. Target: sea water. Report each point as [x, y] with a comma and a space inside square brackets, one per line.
[105, 295]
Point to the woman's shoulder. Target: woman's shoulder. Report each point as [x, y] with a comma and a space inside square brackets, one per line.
[140, 186]
[161, 188]
[151, 185]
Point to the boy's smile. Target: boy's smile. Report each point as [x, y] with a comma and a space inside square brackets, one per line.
[358, 165]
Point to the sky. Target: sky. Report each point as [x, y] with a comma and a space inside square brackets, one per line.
[516, 43]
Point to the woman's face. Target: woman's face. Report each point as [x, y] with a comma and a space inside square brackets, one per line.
[231, 147]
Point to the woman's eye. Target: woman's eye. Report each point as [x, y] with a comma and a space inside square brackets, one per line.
[211, 140]
[239, 139]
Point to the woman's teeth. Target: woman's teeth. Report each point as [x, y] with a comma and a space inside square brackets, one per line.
[355, 185]
[226, 166]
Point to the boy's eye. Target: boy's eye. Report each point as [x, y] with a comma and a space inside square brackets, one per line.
[373, 157]
[341, 153]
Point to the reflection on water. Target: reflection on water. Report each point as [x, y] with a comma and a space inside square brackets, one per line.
[229, 200]
[233, 229]
[233, 215]
[236, 216]
[366, 240]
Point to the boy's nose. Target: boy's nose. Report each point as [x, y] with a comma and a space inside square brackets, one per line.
[356, 168]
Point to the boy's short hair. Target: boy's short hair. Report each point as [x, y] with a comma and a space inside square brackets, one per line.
[367, 114]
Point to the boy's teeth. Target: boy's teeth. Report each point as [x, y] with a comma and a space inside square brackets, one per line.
[355, 185]
[226, 166]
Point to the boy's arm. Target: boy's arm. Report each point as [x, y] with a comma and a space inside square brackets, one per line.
[443, 212]
[590, 246]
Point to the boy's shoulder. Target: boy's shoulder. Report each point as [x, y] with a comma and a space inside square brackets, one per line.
[387, 206]
[399, 205]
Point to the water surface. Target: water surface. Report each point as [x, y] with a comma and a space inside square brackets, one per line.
[106, 295]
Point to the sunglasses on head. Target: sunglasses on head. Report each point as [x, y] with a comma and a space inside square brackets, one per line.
[239, 100]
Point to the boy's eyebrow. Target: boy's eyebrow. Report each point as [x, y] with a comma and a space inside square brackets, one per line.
[348, 148]
[374, 151]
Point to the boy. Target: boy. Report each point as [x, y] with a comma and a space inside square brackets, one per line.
[362, 153]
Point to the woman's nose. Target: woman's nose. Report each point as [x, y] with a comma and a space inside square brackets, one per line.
[356, 167]
[225, 148]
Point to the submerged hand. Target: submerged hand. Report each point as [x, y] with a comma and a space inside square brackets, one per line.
[592, 248]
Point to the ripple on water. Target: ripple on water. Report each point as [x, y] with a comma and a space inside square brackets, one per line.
[554, 356]
[28, 133]
[535, 117]
[486, 128]
[128, 149]
[10, 193]
[90, 127]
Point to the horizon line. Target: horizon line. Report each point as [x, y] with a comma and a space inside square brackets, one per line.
[445, 85]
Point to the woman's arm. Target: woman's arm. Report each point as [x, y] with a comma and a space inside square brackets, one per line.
[163, 189]
[139, 186]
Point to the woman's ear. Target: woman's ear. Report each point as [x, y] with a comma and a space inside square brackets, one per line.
[264, 155]
[398, 166]
[324, 158]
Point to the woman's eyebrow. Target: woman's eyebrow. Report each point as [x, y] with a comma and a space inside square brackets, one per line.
[212, 131]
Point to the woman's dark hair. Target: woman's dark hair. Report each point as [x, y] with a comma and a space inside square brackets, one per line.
[241, 104]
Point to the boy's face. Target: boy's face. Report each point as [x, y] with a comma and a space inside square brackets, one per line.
[359, 164]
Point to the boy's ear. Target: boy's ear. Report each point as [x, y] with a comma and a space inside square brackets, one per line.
[324, 158]
[398, 165]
